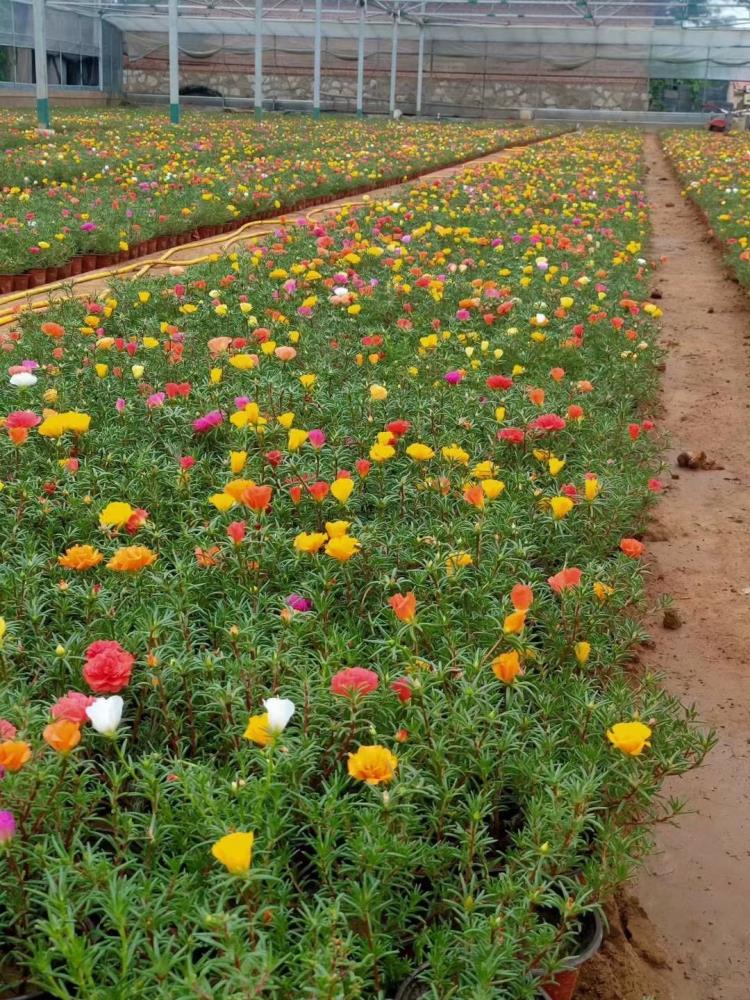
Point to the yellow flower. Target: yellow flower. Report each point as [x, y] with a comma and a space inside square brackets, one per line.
[297, 437]
[237, 460]
[592, 488]
[310, 542]
[603, 591]
[308, 381]
[101, 370]
[514, 622]
[222, 501]
[236, 487]
[382, 452]
[453, 453]
[373, 764]
[507, 666]
[137, 371]
[556, 465]
[150, 343]
[3, 629]
[378, 393]
[560, 507]
[336, 529]
[582, 651]
[244, 362]
[235, 852]
[483, 470]
[257, 730]
[116, 515]
[630, 737]
[492, 488]
[420, 452]
[52, 426]
[144, 296]
[215, 375]
[78, 423]
[286, 420]
[454, 562]
[341, 489]
[342, 547]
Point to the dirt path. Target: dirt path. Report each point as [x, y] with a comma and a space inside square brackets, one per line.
[696, 888]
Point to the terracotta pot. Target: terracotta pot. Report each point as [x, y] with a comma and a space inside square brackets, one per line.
[63, 271]
[161, 243]
[20, 282]
[53, 273]
[6, 283]
[90, 261]
[37, 276]
[106, 260]
[563, 986]
[76, 265]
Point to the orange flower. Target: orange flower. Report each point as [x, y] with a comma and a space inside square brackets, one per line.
[404, 606]
[131, 559]
[475, 496]
[208, 557]
[257, 497]
[514, 622]
[18, 435]
[522, 597]
[53, 330]
[536, 396]
[507, 666]
[373, 764]
[62, 735]
[14, 754]
[80, 557]
[632, 547]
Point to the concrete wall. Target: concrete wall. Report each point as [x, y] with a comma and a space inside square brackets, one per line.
[18, 97]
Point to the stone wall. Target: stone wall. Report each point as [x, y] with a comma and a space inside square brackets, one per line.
[454, 87]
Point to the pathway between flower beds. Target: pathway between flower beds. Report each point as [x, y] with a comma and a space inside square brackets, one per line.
[96, 281]
[696, 889]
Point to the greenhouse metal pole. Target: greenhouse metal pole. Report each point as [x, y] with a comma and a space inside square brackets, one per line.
[394, 64]
[174, 65]
[316, 62]
[420, 63]
[258, 85]
[361, 61]
[40, 65]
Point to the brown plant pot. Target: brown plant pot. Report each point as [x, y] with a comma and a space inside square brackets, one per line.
[63, 271]
[6, 283]
[151, 244]
[76, 266]
[37, 276]
[20, 282]
[563, 986]
[89, 262]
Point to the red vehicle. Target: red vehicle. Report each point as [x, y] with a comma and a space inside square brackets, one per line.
[721, 118]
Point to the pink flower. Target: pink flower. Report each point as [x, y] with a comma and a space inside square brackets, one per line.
[298, 603]
[108, 667]
[316, 438]
[354, 680]
[7, 826]
[187, 462]
[547, 422]
[7, 730]
[214, 418]
[22, 418]
[402, 687]
[155, 400]
[454, 377]
[72, 706]
[120, 405]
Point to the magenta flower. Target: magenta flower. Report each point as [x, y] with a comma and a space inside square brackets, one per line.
[298, 603]
[454, 377]
[214, 418]
[7, 826]
[120, 405]
[316, 438]
[155, 400]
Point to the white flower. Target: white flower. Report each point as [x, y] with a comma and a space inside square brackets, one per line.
[280, 711]
[341, 290]
[105, 714]
[23, 380]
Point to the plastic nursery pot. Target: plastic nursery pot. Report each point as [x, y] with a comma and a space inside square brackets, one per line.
[6, 284]
[37, 276]
[591, 934]
[20, 282]
[76, 265]
[89, 261]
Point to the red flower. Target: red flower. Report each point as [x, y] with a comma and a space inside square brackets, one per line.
[398, 427]
[634, 431]
[499, 382]
[187, 462]
[319, 491]
[565, 579]
[136, 519]
[548, 422]
[363, 467]
[513, 435]
[274, 458]
[108, 667]
[632, 547]
[237, 531]
[655, 485]
[402, 687]
[72, 707]
[522, 597]
[354, 680]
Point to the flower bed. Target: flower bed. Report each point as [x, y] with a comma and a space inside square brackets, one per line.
[715, 173]
[319, 596]
[112, 184]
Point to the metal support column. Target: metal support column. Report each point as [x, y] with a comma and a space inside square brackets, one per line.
[258, 85]
[174, 65]
[361, 60]
[316, 63]
[420, 62]
[394, 63]
[40, 64]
